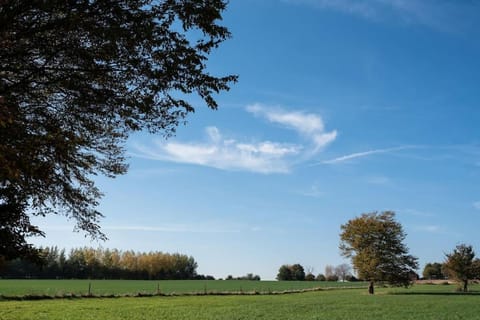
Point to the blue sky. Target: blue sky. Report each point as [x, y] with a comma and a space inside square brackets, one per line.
[342, 107]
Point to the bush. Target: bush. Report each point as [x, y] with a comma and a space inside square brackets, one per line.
[309, 277]
[351, 278]
[321, 277]
[332, 277]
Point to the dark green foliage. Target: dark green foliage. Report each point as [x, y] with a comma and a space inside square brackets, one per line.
[248, 276]
[15, 226]
[291, 272]
[76, 78]
[374, 242]
[351, 278]
[284, 273]
[321, 277]
[298, 273]
[433, 271]
[332, 277]
[309, 277]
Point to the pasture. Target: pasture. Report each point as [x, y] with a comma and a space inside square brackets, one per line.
[420, 302]
[132, 287]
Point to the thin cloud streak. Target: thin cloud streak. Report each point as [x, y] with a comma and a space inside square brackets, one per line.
[313, 192]
[379, 180]
[416, 213]
[175, 229]
[166, 228]
[363, 154]
[444, 16]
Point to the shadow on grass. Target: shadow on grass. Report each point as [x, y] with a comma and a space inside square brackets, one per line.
[435, 293]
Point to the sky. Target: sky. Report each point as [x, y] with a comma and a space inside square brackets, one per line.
[342, 107]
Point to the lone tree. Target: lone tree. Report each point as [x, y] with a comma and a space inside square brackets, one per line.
[461, 266]
[291, 272]
[374, 242]
[284, 273]
[76, 78]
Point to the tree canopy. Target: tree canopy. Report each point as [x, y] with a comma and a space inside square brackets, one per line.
[291, 272]
[374, 242]
[461, 266]
[76, 78]
[89, 263]
[433, 271]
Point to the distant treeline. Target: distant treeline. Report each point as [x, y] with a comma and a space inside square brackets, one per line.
[89, 263]
[249, 276]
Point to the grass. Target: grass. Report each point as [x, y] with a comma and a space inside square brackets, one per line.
[131, 287]
[419, 302]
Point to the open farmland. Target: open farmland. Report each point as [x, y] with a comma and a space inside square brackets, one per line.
[419, 302]
[132, 287]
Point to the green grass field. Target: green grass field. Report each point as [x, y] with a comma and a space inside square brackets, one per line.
[420, 302]
[131, 287]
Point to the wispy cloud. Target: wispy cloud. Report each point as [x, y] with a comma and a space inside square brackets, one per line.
[180, 228]
[223, 153]
[442, 15]
[379, 180]
[172, 228]
[226, 153]
[307, 124]
[429, 228]
[415, 212]
[363, 154]
[476, 205]
[314, 192]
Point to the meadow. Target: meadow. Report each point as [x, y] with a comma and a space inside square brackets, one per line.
[419, 302]
[131, 287]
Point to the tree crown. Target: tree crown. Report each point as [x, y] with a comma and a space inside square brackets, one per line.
[76, 78]
[374, 242]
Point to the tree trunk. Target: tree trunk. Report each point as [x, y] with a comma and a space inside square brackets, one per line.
[465, 285]
[370, 288]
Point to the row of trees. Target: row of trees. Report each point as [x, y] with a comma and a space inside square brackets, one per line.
[434, 271]
[460, 265]
[459, 262]
[341, 272]
[92, 263]
[374, 243]
[248, 276]
[297, 272]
